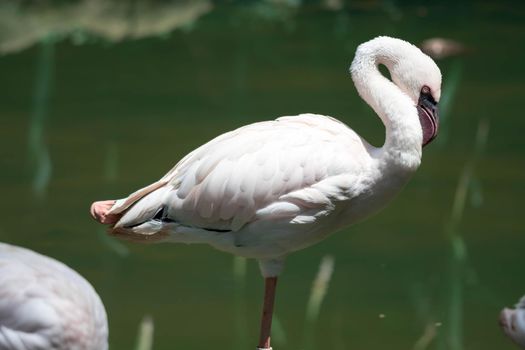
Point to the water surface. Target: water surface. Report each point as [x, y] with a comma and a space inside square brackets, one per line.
[94, 106]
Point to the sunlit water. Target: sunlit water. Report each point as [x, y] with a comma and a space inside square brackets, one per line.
[91, 113]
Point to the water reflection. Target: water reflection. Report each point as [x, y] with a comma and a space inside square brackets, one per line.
[24, 24]
[458, 264]
[451, 84]
[317, 295]
[39, 156]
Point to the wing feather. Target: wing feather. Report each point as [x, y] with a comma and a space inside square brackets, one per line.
[274, 169]
[254, 170]
[44, 305]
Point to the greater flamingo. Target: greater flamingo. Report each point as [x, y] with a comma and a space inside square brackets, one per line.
[270, 188]
[45, 305]
[512, 321]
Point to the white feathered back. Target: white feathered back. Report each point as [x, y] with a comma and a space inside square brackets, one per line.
[45, 305]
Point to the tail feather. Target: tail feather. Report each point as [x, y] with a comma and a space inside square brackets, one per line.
[122, 204]
[143, 210]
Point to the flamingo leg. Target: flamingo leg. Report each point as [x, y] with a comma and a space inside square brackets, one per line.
[267, 313]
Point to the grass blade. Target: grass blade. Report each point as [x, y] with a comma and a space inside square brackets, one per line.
[145, 335]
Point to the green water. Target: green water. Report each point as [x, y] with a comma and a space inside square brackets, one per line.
[88, 116]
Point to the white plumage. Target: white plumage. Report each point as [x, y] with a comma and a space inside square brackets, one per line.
[287, 173]
[270, 188]
[45, 305]
[512, 321]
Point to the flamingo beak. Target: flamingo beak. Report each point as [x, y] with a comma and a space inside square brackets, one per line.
[428, 117]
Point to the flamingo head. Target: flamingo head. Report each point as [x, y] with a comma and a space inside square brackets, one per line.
[512, 322]
[419, 77]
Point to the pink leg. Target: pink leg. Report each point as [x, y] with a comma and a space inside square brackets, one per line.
[99, 212]
[266, 321]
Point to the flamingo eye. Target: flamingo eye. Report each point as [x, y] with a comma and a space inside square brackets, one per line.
[427, 95]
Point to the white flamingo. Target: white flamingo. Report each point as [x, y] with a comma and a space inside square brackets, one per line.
[45, 305]
[512, 321]
[270, 188]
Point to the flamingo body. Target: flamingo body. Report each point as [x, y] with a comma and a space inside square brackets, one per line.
[266, 189]
[270, 188]
[45, 305]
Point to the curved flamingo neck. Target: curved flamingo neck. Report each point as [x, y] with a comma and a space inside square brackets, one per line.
[403, 140]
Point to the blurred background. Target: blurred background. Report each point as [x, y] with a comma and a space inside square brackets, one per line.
[99, 98]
